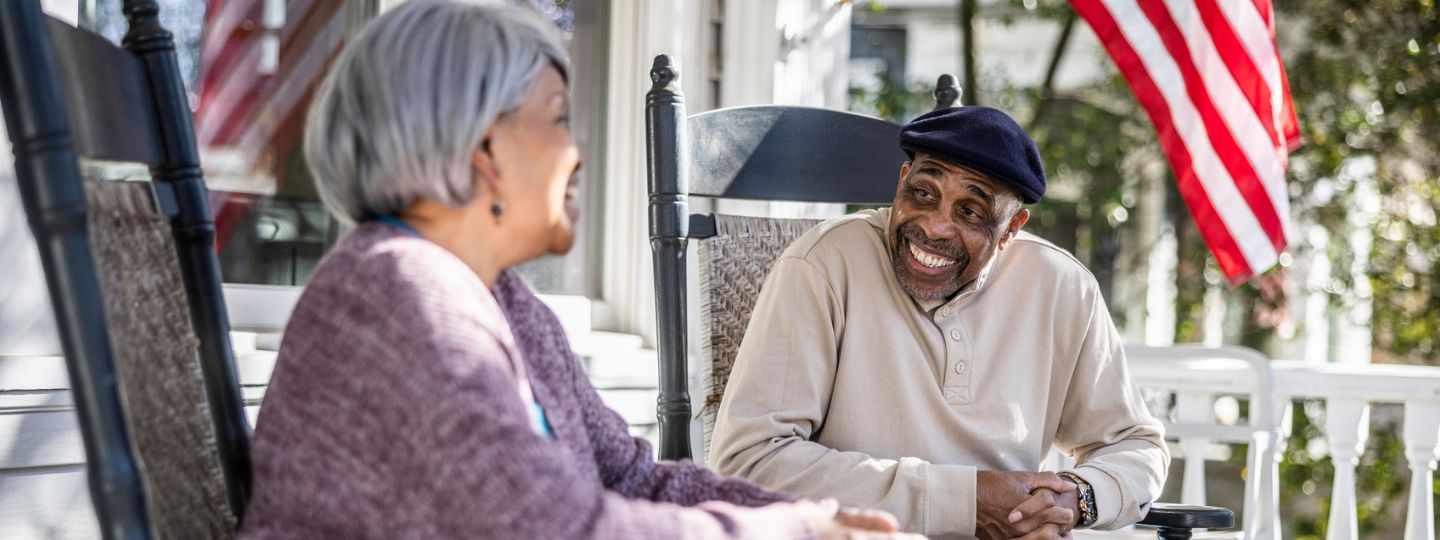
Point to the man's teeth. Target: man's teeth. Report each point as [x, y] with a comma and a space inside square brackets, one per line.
[928, 260]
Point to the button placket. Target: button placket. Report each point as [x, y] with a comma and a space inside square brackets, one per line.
[957, 374]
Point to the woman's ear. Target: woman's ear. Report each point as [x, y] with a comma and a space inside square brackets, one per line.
[483, 162]
[483, 159]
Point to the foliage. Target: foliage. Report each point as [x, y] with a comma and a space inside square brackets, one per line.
[891, 101]
[1365, 76]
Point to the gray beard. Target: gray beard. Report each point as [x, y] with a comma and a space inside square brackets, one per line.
[898, 263]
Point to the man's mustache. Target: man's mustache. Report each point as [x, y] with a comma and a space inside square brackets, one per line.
[912, 233]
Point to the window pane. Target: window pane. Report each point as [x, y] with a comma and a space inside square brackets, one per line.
[250, 67]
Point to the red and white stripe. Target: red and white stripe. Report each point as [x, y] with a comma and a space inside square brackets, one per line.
[260, 62]
[1209, 74]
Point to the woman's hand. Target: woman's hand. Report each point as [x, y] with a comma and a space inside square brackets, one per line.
[831, 522]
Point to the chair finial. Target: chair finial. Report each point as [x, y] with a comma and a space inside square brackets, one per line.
[947, 92]
[663, 73]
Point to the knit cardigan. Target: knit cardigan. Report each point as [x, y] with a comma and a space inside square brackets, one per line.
[394, 412]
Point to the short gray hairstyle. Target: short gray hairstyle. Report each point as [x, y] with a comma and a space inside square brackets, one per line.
[410, 99]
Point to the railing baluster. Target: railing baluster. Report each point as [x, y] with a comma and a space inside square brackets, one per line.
[1347, 423]
[1422, 434]
[1194, 408]
[1267, 450]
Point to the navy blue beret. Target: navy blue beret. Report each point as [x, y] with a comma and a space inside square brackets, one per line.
[981, 139]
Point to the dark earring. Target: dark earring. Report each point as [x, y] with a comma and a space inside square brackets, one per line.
[497, 208]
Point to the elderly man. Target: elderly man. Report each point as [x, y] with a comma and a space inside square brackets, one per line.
[924, 358]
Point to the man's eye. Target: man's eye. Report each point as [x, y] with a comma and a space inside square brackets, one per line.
[923, 193]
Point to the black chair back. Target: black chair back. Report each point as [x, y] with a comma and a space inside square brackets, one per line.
[69, 94]
[770, 152]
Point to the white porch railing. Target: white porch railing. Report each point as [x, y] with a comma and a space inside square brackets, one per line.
[1199, 378]
[41, 465]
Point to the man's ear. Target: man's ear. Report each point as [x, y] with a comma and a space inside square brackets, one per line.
[1017, 221]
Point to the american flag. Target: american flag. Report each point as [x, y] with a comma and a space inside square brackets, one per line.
[260, 62]
[1208, 73]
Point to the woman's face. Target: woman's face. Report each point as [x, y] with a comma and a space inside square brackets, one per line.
[535, 163]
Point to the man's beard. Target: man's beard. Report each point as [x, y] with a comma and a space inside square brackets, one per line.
[911, 233]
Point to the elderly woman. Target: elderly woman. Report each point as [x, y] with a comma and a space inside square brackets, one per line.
[422, 390]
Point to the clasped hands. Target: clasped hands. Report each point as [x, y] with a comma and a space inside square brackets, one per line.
[1024, 505]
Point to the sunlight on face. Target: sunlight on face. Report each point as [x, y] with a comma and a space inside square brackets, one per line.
[533, 149]
[946, 224]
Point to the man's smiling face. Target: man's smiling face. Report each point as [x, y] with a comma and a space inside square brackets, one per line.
[946, 224]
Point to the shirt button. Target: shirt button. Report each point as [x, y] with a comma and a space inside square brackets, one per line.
[960, 367]
[955, 335]
[945, 312]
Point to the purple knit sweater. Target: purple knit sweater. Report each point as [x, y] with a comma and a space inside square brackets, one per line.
[394, 412]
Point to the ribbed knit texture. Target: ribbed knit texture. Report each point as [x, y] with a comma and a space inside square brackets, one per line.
[393, 412]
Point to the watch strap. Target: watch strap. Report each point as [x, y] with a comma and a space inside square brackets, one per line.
[1085, 499]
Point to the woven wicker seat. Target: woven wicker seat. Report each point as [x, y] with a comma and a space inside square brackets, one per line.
[733, 266]
[158, 363]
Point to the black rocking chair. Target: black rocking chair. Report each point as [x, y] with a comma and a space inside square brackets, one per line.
[131, 270]
[772, 153]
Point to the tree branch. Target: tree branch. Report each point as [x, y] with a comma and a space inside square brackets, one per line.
[1047, 88]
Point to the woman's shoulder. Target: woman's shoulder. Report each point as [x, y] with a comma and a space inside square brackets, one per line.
[382, 279]
[386, 253]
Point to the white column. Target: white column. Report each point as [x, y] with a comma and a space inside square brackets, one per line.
[1316, 345]
[1161, 290]
[1194, 408]
[1352, 324]
[1422, 447]
[1347, 423]
[639, 30]
[1214, 311]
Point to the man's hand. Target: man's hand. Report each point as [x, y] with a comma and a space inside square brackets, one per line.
[1000, 493]
[1046, 507]
[1048, 531]
[831, 522]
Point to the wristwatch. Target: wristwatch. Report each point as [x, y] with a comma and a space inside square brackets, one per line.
[1085, 496]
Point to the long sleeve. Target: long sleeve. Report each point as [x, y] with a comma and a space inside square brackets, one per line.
[626, 463]
[1119, 448]
[787, 368]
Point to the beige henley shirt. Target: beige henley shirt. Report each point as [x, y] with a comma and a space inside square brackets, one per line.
[846, 387]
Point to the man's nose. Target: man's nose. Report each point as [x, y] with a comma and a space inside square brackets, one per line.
[939, 227]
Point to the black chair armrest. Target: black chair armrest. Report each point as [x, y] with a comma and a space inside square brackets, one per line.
[1176, 520]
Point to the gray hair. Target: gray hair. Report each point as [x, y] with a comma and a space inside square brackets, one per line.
[410, 99]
